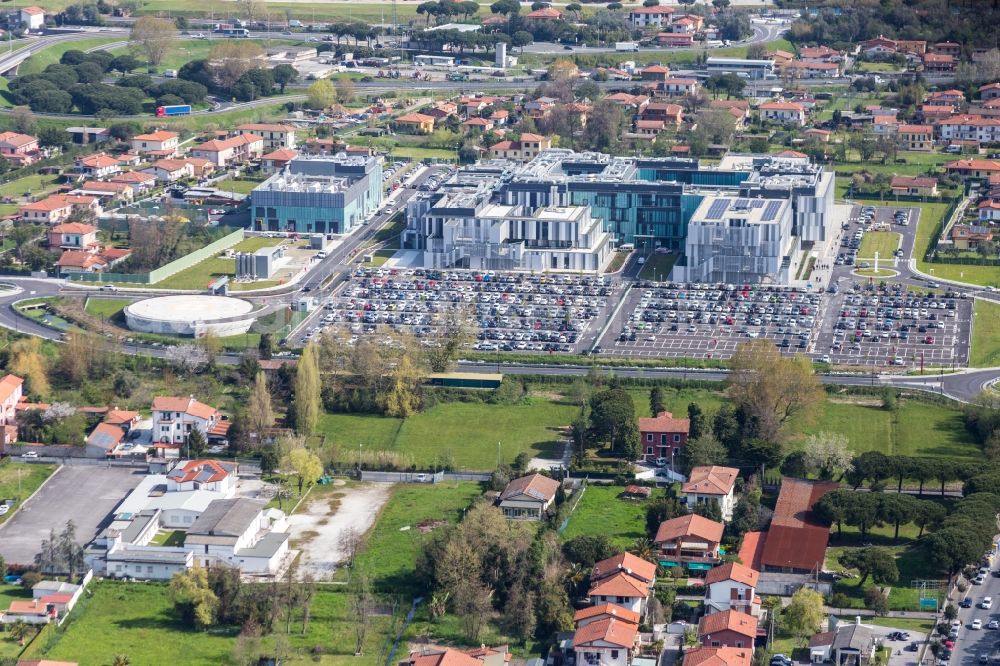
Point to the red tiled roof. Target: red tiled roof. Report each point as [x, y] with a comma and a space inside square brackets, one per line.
[628, 563]
[133, 177]
[712, 480]
[974, 165]
[664, 421]
[414, 118]
[689, 525]
[57, 202]
[544, 12]
[265, 127]
[718, 656]
[17, 140]
[781, 106]
[795, 539]
[912, 181]
[619, 585]
[98, 160]
[120, 416]
[282, 155]
[159, 135]
[9, 385]
[729, 620]
[447, 657]
[612, 610]
[198, 469]
[74, 228]
[80, 259]
[534, 485]
[217, 145]
[733, 571]
[186, 405]
[611, 630]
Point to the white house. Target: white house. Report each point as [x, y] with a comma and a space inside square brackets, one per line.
[169, 171]
[240, 533]
[211, 475]
[11, 389]
[528, 498]
[706, 484]
[33, 18]
[606, 642]
[175, 418]
[160, 142]
[620, 589]
[786, 113]
[222, 152]
[274, 136]
[732, 586]
[657, 17]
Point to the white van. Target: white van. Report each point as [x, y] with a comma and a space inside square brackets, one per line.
[626, 247]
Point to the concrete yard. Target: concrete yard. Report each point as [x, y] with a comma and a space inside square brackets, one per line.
[85, 494]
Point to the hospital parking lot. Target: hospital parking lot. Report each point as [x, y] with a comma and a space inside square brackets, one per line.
[670, 320]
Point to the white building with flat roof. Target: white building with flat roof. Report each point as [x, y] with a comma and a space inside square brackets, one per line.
[743, 67]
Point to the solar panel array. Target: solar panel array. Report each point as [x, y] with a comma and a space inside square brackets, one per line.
[716, 210]
[758, 203]
[771, 211]
[742, 203]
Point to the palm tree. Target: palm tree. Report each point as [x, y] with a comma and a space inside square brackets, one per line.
[19, 631]
[643, 548]
[121, 660]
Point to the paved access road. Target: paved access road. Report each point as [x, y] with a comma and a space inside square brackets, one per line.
[85, 494]
[973, 642]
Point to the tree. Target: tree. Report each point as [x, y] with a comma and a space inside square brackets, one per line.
[345, 91]
[705, 450]
[720, 5]
[259, 411]
[656, 404]
[928, 514]
[588, 549]
[153, 36]
[121, 660]
[197, 446]
[746, 513]
[771, 389]
[307, 466]
[877, 601]
[827, 455]
[898, 509]
[321, 95]
[307, 391]
[612, 420]
[283, 75]
[231, 59]
[26, 360]
[192, 598]
[349, 543]
[23, 120]
[521, 38]
[803, 616]
[873, 562]
[696, 420]
[505, 7]
[403, 398]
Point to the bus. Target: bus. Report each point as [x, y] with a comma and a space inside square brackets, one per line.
[235, 32]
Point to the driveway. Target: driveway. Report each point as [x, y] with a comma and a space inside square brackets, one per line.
[85, 494]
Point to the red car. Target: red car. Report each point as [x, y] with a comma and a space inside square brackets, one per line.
[929, 340]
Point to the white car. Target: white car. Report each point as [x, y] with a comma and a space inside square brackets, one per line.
[986, 603]
[30, 455]
[976, 624]
[4, 509]
[994, 624]
[979, 580]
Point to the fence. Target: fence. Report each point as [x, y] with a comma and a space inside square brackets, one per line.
[163, 272]
[423, 477]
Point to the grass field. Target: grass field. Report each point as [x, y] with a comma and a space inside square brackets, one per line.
[35, 184]
[169, 538]
[930, 220]
[106, 307]
[185, 50]
[139, 617]
[199, 275]
[9, 648]
[237, 186]
[416, 153]
[19, 480]
[391, 546]
[985, 350]
[657, 266]
[454, 433]
[602, 511]
[39, 61]
[883, 242]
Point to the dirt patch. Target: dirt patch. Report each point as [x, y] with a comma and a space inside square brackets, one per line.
[430, 525]
[320, 522]
[872, 402]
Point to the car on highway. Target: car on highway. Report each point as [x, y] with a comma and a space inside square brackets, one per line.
[976, 624]
[987, 602]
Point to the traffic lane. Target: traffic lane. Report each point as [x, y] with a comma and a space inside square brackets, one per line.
[973, 642]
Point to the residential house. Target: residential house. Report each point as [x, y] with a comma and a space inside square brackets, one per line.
[878, 46]
[968, 237]
[628, 564]
[920, 186]
[718, 656]
[80, 261]
[648, 129]
[440, 111]
[274, 136]
[675, 39]
[967, 127]
[820, 54]
[915, 137]
[105, 190]
[884, 124]
[739, 109]
[687, 23]
[655, 73]
[170, 171]
[236, 149]
[129, 159]
[785, 113]
[478, 124]
[19, 149]
[711, 484]
[663, 437]
[989, 92]
[670, 114]
[590, 614]
[989, 211]
[732, 586]
[33, 18]
[528, 497]
[938, 62]
[914, 47]
[414, 123]
[543, 15]
[808, 69]
[139, 181]
[973, 169]
[500, 117]
[953, 49]
[33, 611]
[240, 533]
[481, 656]
[850, 644]
[953, 98]
[818, 134]
[104, 441]
[729, 628]
[796, 540]
[636, 102]
[526, 148]
[277, 159]
[98, 165]
[650, 17]
[55, 208]
[936, 112]
[780, 58]
[214, 475]
[11, 390]
[174, 419]
[690, 541]
[160, 143]
[200, 166]
[622, 590]
[73, 236]
[605, 642]
[675, 87]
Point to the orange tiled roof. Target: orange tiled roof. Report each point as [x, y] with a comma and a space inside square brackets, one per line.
[729, 620]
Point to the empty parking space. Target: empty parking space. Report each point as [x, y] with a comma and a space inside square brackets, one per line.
[85, 494]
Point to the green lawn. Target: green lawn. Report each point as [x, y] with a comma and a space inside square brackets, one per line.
[39, 61]
[106, 307]
[35, 184]
[139, 617]
[237, 186]
[658, 266]
[930, 222]
[405, 524]
[453, 433]
[186, 50]
[883, 242]
[199, 275]
[985, 350]
[19, 480]
[9, 648]
[602, 511]
[416, 153]
[169, 538]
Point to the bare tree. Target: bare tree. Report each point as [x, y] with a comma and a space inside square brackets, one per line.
[362, 603]
[187, 357]
[153, 37]
[349, 543]
[250, 9]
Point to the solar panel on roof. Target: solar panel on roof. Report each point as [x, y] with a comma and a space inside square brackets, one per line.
[718, 207]
[742, 203]
[757, 203]
[771, 211]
